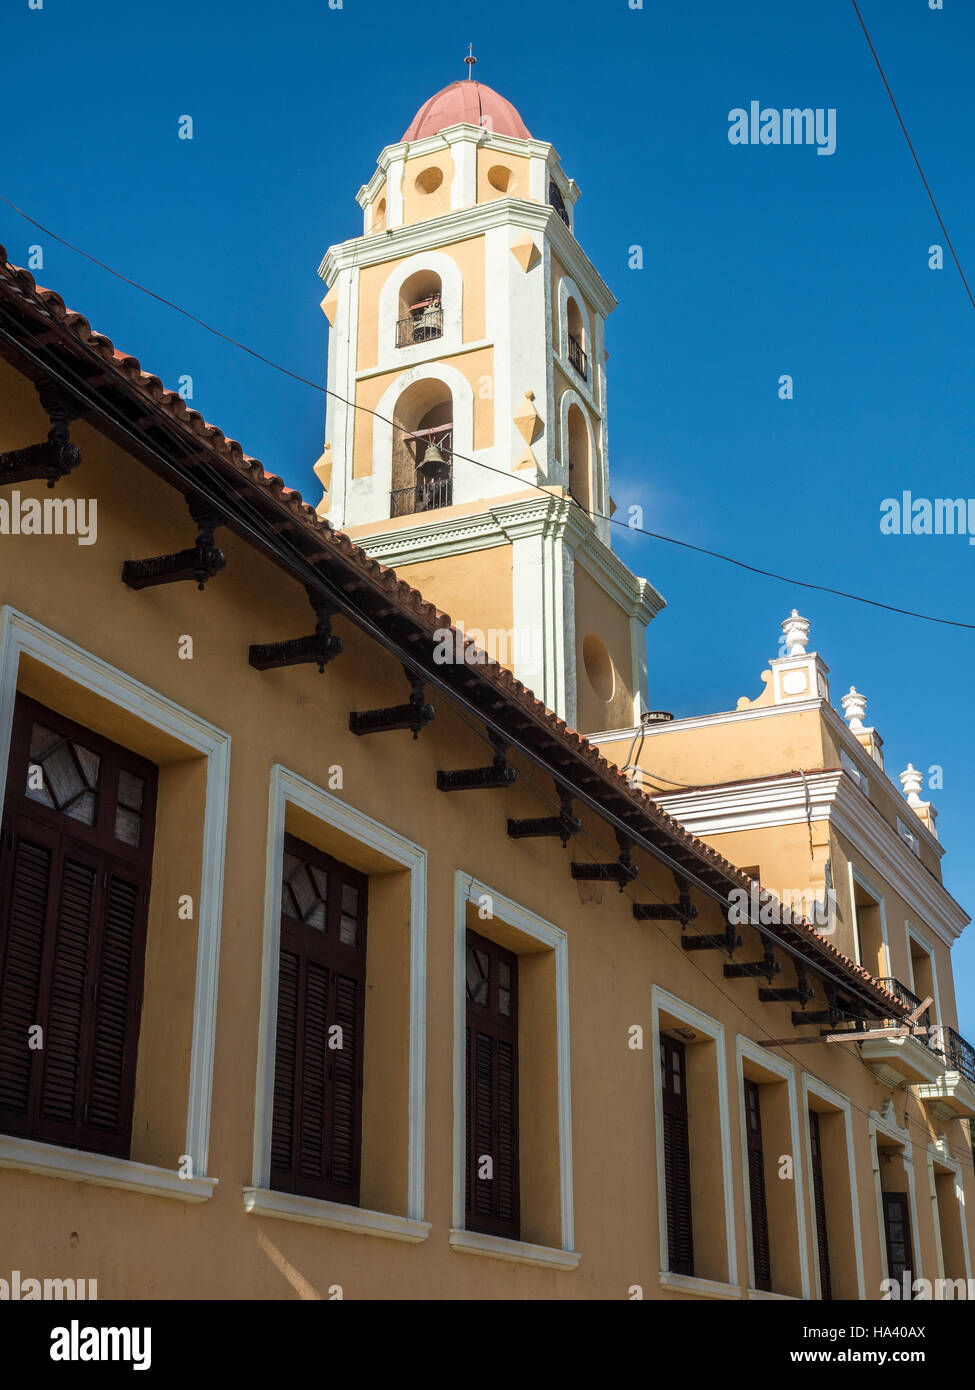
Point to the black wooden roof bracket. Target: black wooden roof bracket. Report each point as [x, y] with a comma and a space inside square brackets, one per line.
[682, 911]
[200, 563]
[321, 647]
[622, 872]
[564, 825]
[415, 715]
[499, 773]
[56, 456]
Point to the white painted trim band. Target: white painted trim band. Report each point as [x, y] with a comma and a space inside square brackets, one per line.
[288, 1206]
[101, 1170]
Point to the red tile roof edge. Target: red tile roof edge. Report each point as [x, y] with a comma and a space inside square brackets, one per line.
[20, 280]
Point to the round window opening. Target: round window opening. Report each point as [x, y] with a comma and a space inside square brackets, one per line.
[599, 667]
[430, 180]
[501, 178]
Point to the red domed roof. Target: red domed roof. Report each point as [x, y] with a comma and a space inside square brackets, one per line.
[471, 102]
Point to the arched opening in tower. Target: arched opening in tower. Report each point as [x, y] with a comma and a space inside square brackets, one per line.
[422, 473]
[580, 461]
[578, 352]
[420, 316]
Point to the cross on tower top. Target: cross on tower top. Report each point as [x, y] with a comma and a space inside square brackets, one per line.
[470, 60]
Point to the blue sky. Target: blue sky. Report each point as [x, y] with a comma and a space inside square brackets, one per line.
[758, 261]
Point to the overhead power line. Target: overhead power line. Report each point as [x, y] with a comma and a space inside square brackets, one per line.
[479, 463]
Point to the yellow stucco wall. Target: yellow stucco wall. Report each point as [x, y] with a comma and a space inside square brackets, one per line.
[469, 256]
[475, 589]
[418, 204]
[476, 367]
[139, 1245]
[597, 614]
[518, 166]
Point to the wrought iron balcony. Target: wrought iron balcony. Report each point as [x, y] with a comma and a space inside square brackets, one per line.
[578, 357]
[420, 325]
[958, 1054]
[901, 992]
[424, 496]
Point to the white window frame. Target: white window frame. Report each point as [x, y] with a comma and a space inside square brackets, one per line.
[939, 1152]
[468, 889]
[859, 777]
[856, 876]
[909, 838]
[22, 635]
[886, 1123]
[812, 1086]
[744, 1047]
[914, 935]
[260, 1199]
[661, 999]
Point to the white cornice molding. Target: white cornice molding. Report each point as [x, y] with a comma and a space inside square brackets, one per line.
[463, 223]
[846, 741]
[762, 805]
[505, 522]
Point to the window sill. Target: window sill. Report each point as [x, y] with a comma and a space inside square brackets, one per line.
[76, 1165]
[289, 1206]
[767, 1296]
[701, 1288]
[499, 1248]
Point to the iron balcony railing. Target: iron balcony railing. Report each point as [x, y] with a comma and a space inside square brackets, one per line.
[578, 357]
[420, 326]
[901, 992]
[958, 1054]
[424, 496]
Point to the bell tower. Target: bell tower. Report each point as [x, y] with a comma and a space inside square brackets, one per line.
[468, 332]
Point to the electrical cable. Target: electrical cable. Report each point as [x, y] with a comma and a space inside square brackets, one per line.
[479, 463]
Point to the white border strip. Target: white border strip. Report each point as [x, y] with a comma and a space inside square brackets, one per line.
[811, 1085]
[662, 999]
[469, 889]
[287, 787]
[22, 634]
[762, 1057]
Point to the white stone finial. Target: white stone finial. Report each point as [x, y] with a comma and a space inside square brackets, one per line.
[911, 781]
[854, 708]
[796, 632]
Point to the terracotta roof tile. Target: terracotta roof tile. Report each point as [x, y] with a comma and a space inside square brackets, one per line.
[409, 599]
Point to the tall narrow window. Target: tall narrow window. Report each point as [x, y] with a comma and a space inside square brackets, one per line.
[76, 848]
[819, 1201]
[493, 1202]
[897, 1231]
[677, 1156]
[756, 1187]
[316, 1131]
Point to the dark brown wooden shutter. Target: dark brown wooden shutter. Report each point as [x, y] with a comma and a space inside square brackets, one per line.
[317, 1109]
[897, 1231]
[677, 1156]
[819, 1202]
[29, 853]
[756, 1187]
[493, 1204]
[77, 855]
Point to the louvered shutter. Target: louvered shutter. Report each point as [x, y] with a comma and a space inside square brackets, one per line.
[819, 1202]
[493, 1203]
[677, 1156]
[77, 862]
[756, 1187]
[897, 1230]
[317, 1109]
[285, 1072]
[26, 885]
